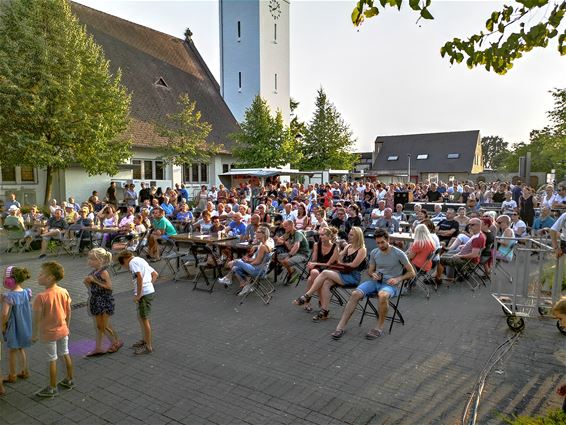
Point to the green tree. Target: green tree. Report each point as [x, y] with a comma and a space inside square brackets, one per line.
[59, 104]
[509, 32]
[263, 140]
[186, 135]
[547, 146]
[297, 129]
[493, 151]
[328, 140]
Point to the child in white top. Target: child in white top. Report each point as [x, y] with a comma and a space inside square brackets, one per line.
[143, 277]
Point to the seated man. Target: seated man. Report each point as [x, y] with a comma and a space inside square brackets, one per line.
[297, 247]
[559, 201]
[167, 208]
[438, 215]
[447, 228]
[288, 213]
[377, 213]
[519, 226]
[236, 227]
[162, 229]
[251, 229]
[388, 267]
[387, 222]
[471, 250]
[399, 214]
[55, 228]
[543, 223]
[15, 226]
[433, 195]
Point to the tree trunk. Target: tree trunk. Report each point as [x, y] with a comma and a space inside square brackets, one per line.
[48, 185]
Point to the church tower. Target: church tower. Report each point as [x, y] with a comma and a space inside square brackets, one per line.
[254, 54]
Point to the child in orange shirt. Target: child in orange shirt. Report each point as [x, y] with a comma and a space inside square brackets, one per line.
[52, 314]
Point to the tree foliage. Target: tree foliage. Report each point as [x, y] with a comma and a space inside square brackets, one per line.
[493, 151]
[297, 129]
[509, 32]
[263, 139]
[328, 141]
[186, 135]
[59, 104]
[548, 145]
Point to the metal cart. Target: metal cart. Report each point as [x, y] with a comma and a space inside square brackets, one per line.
[531, 283]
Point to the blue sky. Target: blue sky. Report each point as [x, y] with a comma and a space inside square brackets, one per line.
[386, 77]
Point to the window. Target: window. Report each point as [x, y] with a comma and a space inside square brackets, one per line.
[453, 156]
[225, 168]
[148, 169]
[392, 157]
[197, 173]
[239, 81]
[239, 30]
[422, 156]
[275, 83]
[8, 174]
[137, 170]
[275, 33]
[27, 174]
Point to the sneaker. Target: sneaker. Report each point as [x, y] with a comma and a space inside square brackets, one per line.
[41, 257]
[48, 392]
[67, 383]
[138, 344]
[245, 290]
[142, 350]
[226, 281]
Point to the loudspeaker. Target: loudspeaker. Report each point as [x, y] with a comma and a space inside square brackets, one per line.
[401, 198]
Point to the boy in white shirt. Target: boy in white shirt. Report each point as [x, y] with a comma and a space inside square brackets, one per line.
[143, 276]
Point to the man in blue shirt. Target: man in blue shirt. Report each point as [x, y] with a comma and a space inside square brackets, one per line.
[544, 222]
[168, 208]
[236, 227]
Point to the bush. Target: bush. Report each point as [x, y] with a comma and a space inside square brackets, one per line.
[554, 417]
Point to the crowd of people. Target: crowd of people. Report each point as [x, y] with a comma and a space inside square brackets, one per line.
[317, 232]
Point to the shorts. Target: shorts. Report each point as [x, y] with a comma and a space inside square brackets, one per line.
[372, 287]
[453, 261]
[59, 236]
[351, 279]
[144, 306]
[52, 348]
[294, 260]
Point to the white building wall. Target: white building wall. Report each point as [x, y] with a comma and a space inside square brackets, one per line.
[275, 58]
[239, 54]
[257, 54]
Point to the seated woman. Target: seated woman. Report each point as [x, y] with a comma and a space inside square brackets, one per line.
[421, 216]
[462, 218]
[422, 247]
[108, 217]
[204, 224]
[325, 252]
[264, 216]
[347, 273]
[505, 247]
[250, 265]
[318, 220]
[302, 221]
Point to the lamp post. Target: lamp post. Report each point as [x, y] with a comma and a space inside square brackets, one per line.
[409, 169]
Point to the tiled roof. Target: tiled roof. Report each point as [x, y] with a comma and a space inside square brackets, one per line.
[436, 146]
[145, 56]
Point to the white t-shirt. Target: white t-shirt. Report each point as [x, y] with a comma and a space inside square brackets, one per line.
[508, 206]
[560, 226]
[520, 224]
[136, 265]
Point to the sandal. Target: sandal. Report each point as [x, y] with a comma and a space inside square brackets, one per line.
[138, 344]
[115, 347]
[10, 379]
[321, 315]
[303, 299]
[308, 308]
[374, 334]
[337, 334]
[23, 375]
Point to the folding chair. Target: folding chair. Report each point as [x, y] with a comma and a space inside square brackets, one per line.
[466, 273]
[16, 239]
[397, 317]
[260, 285]
[212, 262]
[423, 276]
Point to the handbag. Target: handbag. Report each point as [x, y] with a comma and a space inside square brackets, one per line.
[342, 268]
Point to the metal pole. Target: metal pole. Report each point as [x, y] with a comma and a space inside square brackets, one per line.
[409, 169]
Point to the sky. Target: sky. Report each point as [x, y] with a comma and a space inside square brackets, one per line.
[387, 77]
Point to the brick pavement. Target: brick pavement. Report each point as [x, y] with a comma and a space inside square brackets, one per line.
[216, 362]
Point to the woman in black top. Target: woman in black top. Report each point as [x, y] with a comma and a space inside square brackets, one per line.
[324, 252]
[526, 207]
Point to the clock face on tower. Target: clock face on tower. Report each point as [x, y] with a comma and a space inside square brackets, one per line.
[275, 8]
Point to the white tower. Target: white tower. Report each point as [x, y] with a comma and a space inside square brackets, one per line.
[254, 54]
